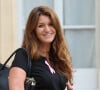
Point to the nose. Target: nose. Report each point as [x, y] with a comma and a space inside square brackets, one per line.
[47, 28]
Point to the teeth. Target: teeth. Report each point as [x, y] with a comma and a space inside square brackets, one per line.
[47, 34]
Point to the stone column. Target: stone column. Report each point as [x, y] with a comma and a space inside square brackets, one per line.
[8, 28]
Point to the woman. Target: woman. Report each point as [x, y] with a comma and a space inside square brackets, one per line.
[45, 44]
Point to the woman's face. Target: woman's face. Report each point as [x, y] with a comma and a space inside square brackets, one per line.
[44, 30]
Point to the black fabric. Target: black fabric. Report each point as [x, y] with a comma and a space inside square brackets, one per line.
[45, 80]
[20, 60]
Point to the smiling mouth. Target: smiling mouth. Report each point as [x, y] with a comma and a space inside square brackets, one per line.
[48, 35]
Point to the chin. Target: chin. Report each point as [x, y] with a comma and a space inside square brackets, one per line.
[48, 41]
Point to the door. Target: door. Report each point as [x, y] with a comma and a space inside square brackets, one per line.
[78, 21]
[77, 18]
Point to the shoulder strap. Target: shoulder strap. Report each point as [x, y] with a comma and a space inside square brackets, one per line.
[29, 61]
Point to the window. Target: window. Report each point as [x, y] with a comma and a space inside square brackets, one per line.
[79, 28]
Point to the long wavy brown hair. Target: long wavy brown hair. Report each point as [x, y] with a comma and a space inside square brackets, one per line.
[59, 55]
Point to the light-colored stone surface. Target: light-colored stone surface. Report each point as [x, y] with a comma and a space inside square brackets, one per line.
[8, 28]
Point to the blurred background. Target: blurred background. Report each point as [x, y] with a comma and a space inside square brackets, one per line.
[80, 20]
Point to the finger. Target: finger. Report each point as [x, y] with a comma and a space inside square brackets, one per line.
[69, 86]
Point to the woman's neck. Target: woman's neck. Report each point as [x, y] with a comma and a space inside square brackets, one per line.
[44, 50]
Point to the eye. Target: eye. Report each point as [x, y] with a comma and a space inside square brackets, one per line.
[51, 24]
[41, 25]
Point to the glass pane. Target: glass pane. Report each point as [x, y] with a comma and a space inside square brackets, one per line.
[79, 12]
[82, 47]
[28, 5]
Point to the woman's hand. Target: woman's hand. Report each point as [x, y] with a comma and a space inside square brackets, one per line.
[69, 86]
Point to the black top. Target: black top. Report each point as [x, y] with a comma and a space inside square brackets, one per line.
[45, 79]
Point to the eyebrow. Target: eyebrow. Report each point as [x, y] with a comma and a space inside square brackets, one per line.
[40, 23]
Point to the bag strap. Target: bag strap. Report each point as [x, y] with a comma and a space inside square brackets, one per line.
[29, 61]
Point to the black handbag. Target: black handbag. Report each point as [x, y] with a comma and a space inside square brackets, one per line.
[4, 72]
